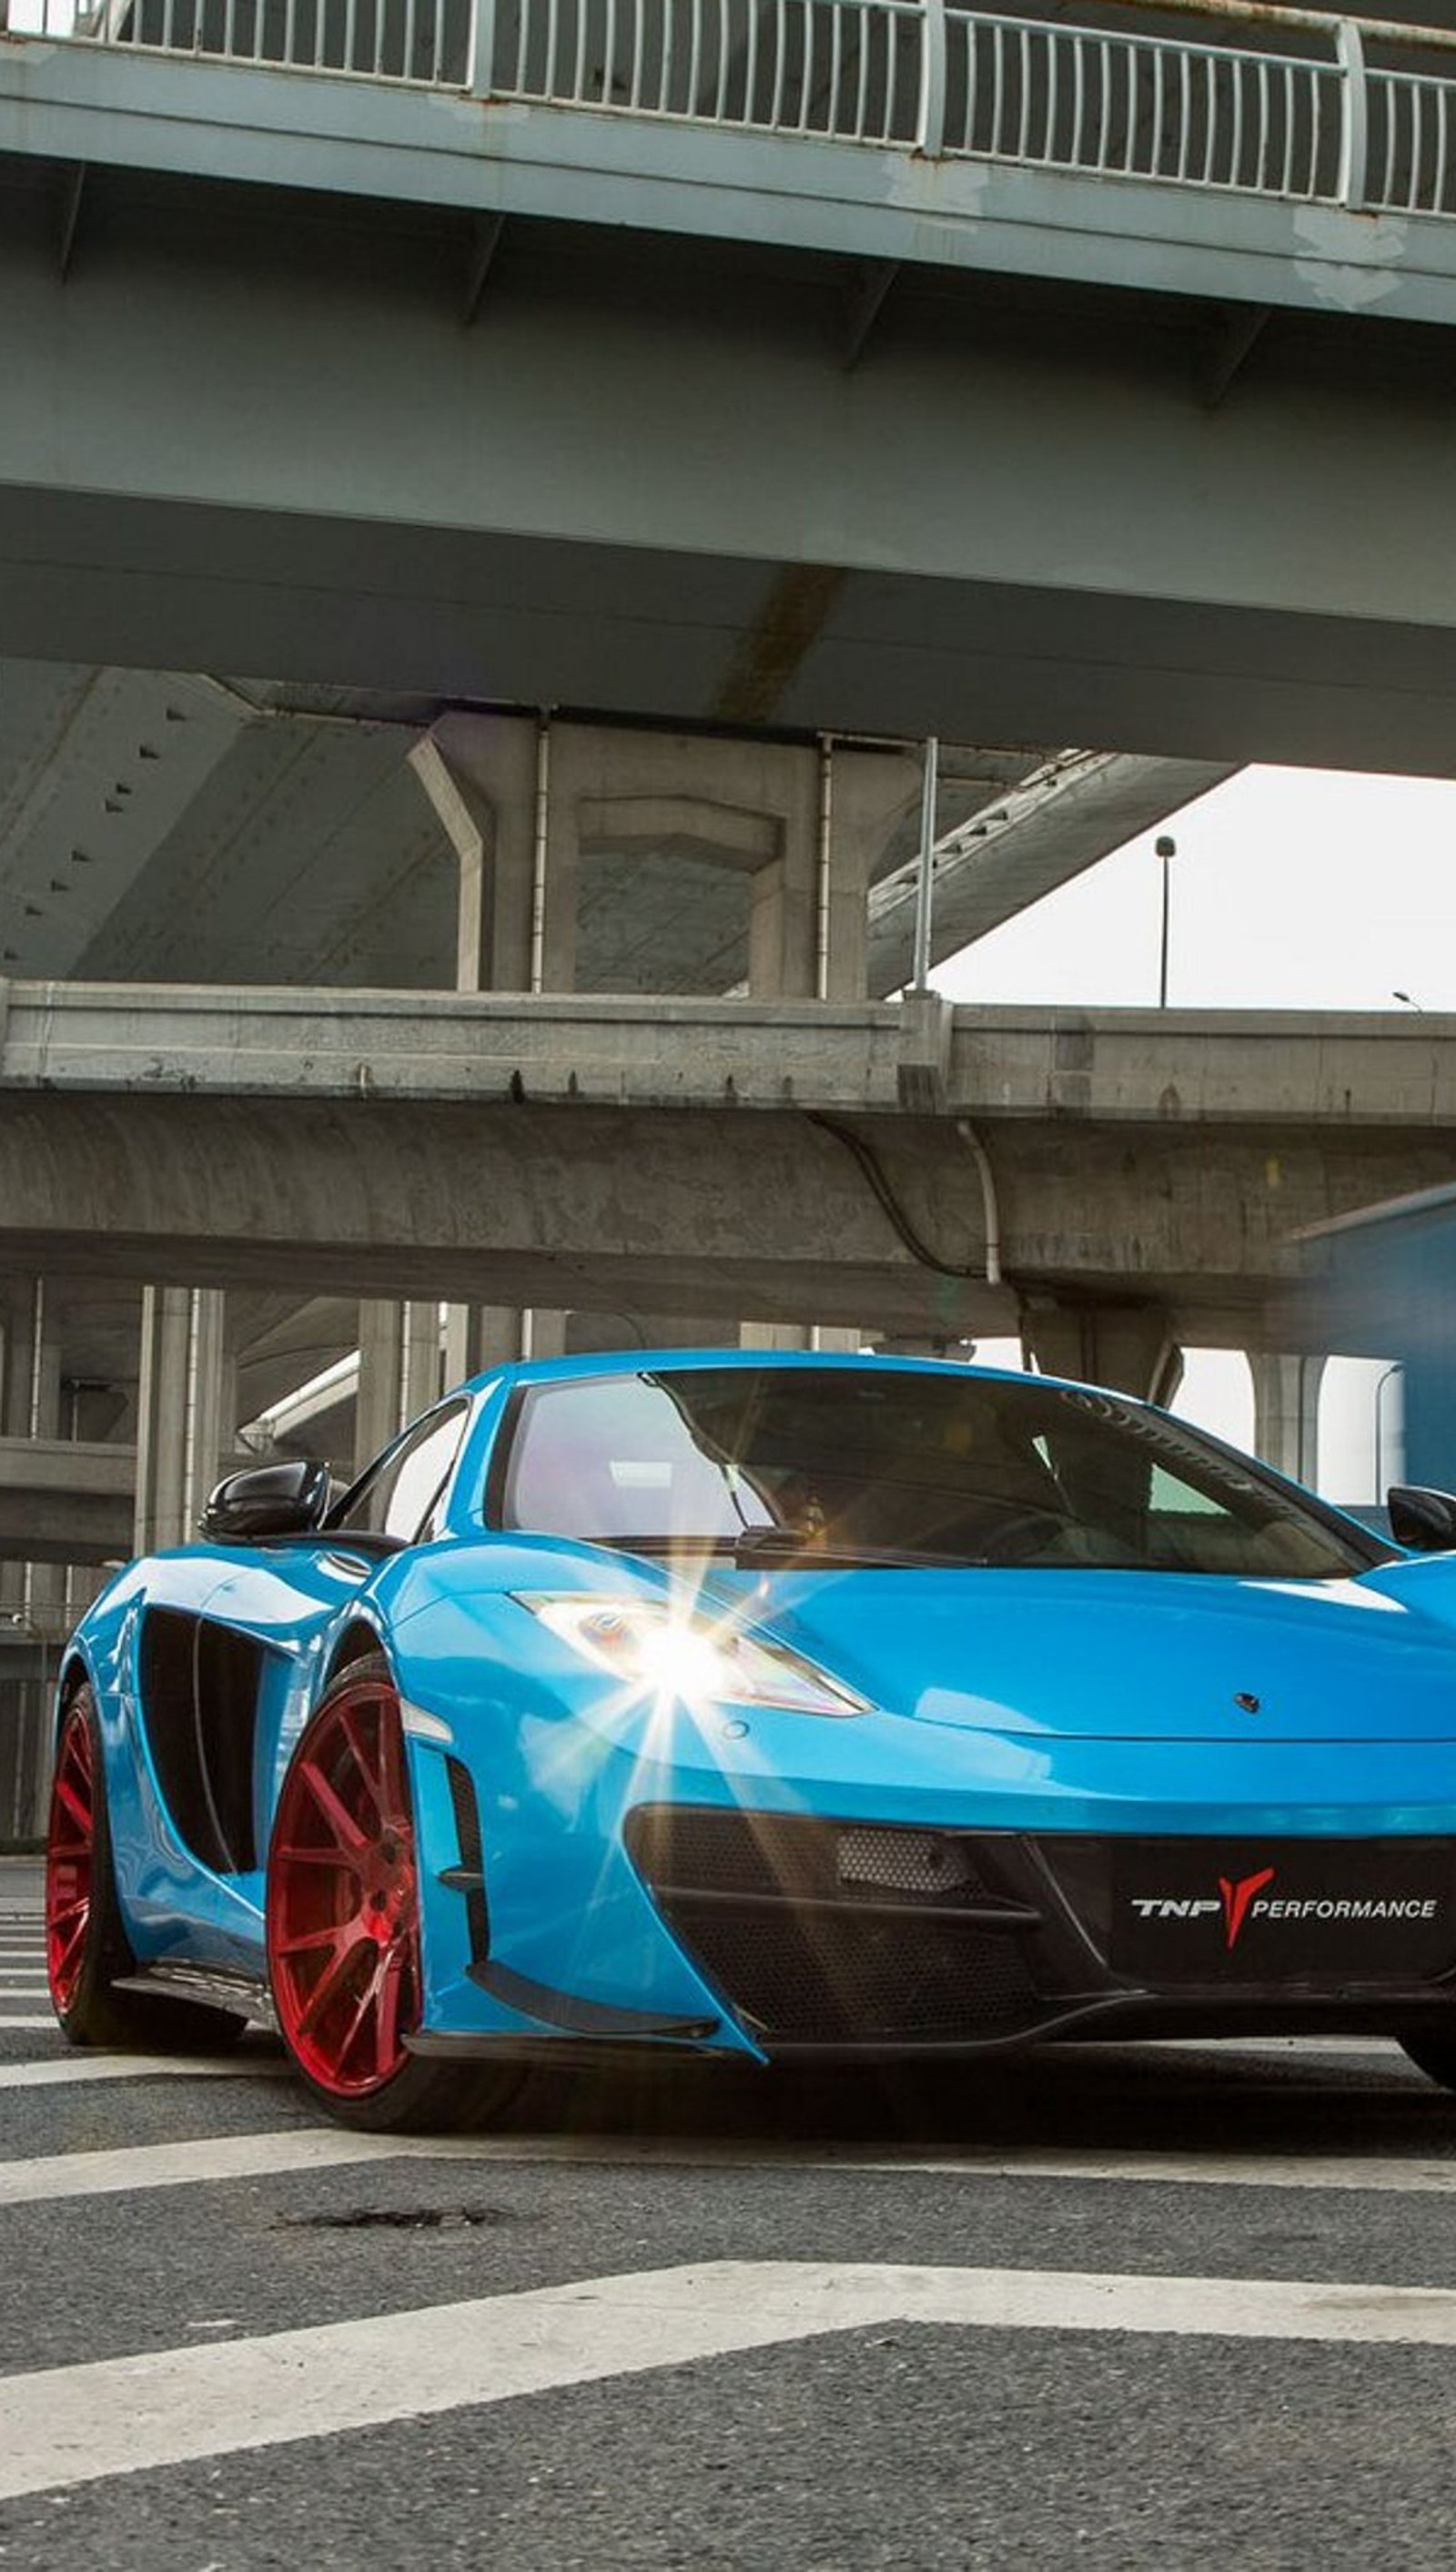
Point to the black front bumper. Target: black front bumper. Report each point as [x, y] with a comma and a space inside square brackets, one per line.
[834, 1938]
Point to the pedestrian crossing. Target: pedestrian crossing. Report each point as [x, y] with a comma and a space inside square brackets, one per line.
[254, 2376]
[24, 1992]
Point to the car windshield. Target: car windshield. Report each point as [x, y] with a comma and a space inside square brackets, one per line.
[838, 1464]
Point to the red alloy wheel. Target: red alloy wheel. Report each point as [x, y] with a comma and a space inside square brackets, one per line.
[70, 1860]
[344, 1943]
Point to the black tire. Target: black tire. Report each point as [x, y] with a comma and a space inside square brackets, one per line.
[344, 1926]
[1435, 2056]
[87, 1949]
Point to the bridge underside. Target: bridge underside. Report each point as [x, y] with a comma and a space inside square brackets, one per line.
[692, 1212]
[1089, 537]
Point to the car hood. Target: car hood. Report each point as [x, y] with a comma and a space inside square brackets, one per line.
[1123, 1656]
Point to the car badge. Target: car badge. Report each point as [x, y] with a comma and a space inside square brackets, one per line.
[1246, 1704]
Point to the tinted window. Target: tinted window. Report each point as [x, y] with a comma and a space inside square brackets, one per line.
[398, 1496]
[969, 1468]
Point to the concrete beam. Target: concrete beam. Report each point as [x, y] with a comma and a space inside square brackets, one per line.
[65, 1502]
[1122, 568]
[881, 1222]
[1171, 1067]
[99, 108]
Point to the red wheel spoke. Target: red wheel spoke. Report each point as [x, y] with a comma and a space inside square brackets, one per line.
[305, 1942]
[342, 1904]
[334, 1978]
[369, 1769]
[387, 2023]
[70, 1860]
[77, 1810]
[68, 1955]
[348, 1833]
[367, 2000]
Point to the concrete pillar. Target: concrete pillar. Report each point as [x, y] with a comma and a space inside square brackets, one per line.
[398, 1371]
[1128, 1346]
[823, 1339]
[871, 794]
[1286, 1411]
[30, 1407]
[179, 1410]
[544, 1332]
[484, 776]
[479, 1337]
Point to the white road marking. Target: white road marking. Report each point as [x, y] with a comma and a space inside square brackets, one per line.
[219, 2157]
[73, 2424]
[16, 2017]
[214, 2159]
[134, 2067]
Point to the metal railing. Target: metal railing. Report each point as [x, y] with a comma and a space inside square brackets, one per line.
[1262, 101]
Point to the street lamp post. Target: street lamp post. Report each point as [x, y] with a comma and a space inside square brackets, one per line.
[1168, 850]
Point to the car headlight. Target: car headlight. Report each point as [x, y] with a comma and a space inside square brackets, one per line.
[672, 1651]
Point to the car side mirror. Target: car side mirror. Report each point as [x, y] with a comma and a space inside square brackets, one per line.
[286, 1498]
[1424, 1521]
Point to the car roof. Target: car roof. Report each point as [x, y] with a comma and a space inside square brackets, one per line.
[616, 1362]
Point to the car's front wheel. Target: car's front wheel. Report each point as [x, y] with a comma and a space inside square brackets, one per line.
[88, 1953]
[345, 1945]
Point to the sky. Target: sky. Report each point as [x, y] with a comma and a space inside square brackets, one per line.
[1270, 906]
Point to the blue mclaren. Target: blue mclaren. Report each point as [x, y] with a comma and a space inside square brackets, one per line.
[772, 1709]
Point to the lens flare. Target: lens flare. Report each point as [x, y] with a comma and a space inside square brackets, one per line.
[667, 1652]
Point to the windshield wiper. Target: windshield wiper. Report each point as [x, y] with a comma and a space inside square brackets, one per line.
[761, 1549]
[758, 1547]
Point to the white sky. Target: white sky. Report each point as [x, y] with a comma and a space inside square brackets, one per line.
[1292, 889]
[1270, 905]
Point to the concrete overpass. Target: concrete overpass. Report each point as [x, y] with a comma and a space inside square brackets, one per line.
[1028, 439]
[945, 1171]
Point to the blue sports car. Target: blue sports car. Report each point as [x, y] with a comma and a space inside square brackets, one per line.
[766, 1708]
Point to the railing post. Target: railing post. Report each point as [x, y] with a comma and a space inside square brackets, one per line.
[930, 130]
[1355, 115]
[483, 48]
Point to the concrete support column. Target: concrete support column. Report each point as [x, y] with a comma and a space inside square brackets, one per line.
[487, 780]
[544, 1332]
[1286, 1411]
[179, 1410]
[398, 1371]
[870, 795]
[30, 1407]
[479, 1337]
[785, 931]
[1128, 1346]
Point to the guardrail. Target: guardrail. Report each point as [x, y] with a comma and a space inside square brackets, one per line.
[1262, 101]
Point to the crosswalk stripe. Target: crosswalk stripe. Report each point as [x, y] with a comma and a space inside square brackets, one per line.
[212, 2160]
[219, 2157]
[73, 2424]
[133, 2067]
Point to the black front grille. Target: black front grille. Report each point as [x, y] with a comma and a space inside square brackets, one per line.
[791, 1854]
[820, 1978]
[827, 1933]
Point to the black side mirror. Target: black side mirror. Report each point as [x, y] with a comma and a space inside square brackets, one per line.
[1424, 1521]
[286, 1498]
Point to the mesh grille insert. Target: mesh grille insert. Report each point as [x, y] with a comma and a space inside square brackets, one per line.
[799, 1958]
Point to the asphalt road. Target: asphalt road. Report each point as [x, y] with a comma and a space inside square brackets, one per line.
[1166, 2305]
